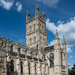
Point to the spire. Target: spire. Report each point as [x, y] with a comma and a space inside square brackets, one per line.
[8, 37]
[56, 34]
[28, 13]
[23, 43]
[37, 11]
[27, 16]
[16, 40]
[64, 40]
[43, 15]
[37, 6]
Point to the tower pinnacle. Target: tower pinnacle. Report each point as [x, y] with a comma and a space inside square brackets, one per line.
[43, 15]
[27, 16]
[56, 35]
[64, 40]
[37, 11]
[28, 12]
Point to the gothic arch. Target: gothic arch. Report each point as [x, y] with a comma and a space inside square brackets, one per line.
[19, 50]
[11, 48]
[51, 56]
[11, 66]
[29, 68]
[34, 39]
[51, 60]
[30, 28]
[21, 67]
[2, 43]
[34, 27]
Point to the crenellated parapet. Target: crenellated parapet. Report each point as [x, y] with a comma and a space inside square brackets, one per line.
[14, 50]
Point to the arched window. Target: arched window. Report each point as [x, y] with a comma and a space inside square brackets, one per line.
[34, 39]
[51, 56]
[8, 68]
[51, 60]
[51, 63]
[19, 50]
[29, 68]
[35, 68]
[11, 66]
[11, 47]
[30, 28]
[2, 43]
[43, 40]
[44, 57]
[21, 68]
[34, 27]
[30, 40]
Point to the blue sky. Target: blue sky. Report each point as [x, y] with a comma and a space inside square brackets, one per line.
[60, 15]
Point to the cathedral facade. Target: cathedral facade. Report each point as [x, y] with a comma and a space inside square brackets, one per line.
[36, 58]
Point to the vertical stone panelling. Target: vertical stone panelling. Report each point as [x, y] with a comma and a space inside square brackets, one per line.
[18, 69]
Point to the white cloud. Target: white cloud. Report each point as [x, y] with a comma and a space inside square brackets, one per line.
[69, 50]
[6, 4]
[66, 29]
[51, 43]
[19, 6]
[70, 57]
[70, 65]
[51, 3]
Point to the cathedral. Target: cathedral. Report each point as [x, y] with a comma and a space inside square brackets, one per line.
[36, 57]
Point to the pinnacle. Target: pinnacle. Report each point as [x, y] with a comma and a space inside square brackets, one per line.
[27, 12]
[64, 40]
[8, 37]
[56, 34]
[16, 40]
[23, 43]
[37, 6]
[43, 15]
[43, 11]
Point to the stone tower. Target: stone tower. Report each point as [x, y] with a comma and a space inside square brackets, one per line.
[57, 54]
[64, 56]
[36, 35]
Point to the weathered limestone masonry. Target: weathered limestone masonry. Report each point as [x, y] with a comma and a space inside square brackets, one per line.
[36, 58]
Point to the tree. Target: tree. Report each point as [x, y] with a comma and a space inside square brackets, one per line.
[72, 71]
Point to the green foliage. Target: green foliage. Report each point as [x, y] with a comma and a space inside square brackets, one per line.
[72, 71]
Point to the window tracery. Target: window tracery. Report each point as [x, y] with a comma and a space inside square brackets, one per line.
[51, 60]
[21, 65]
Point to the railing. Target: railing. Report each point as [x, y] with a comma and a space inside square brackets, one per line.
[32, 18]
